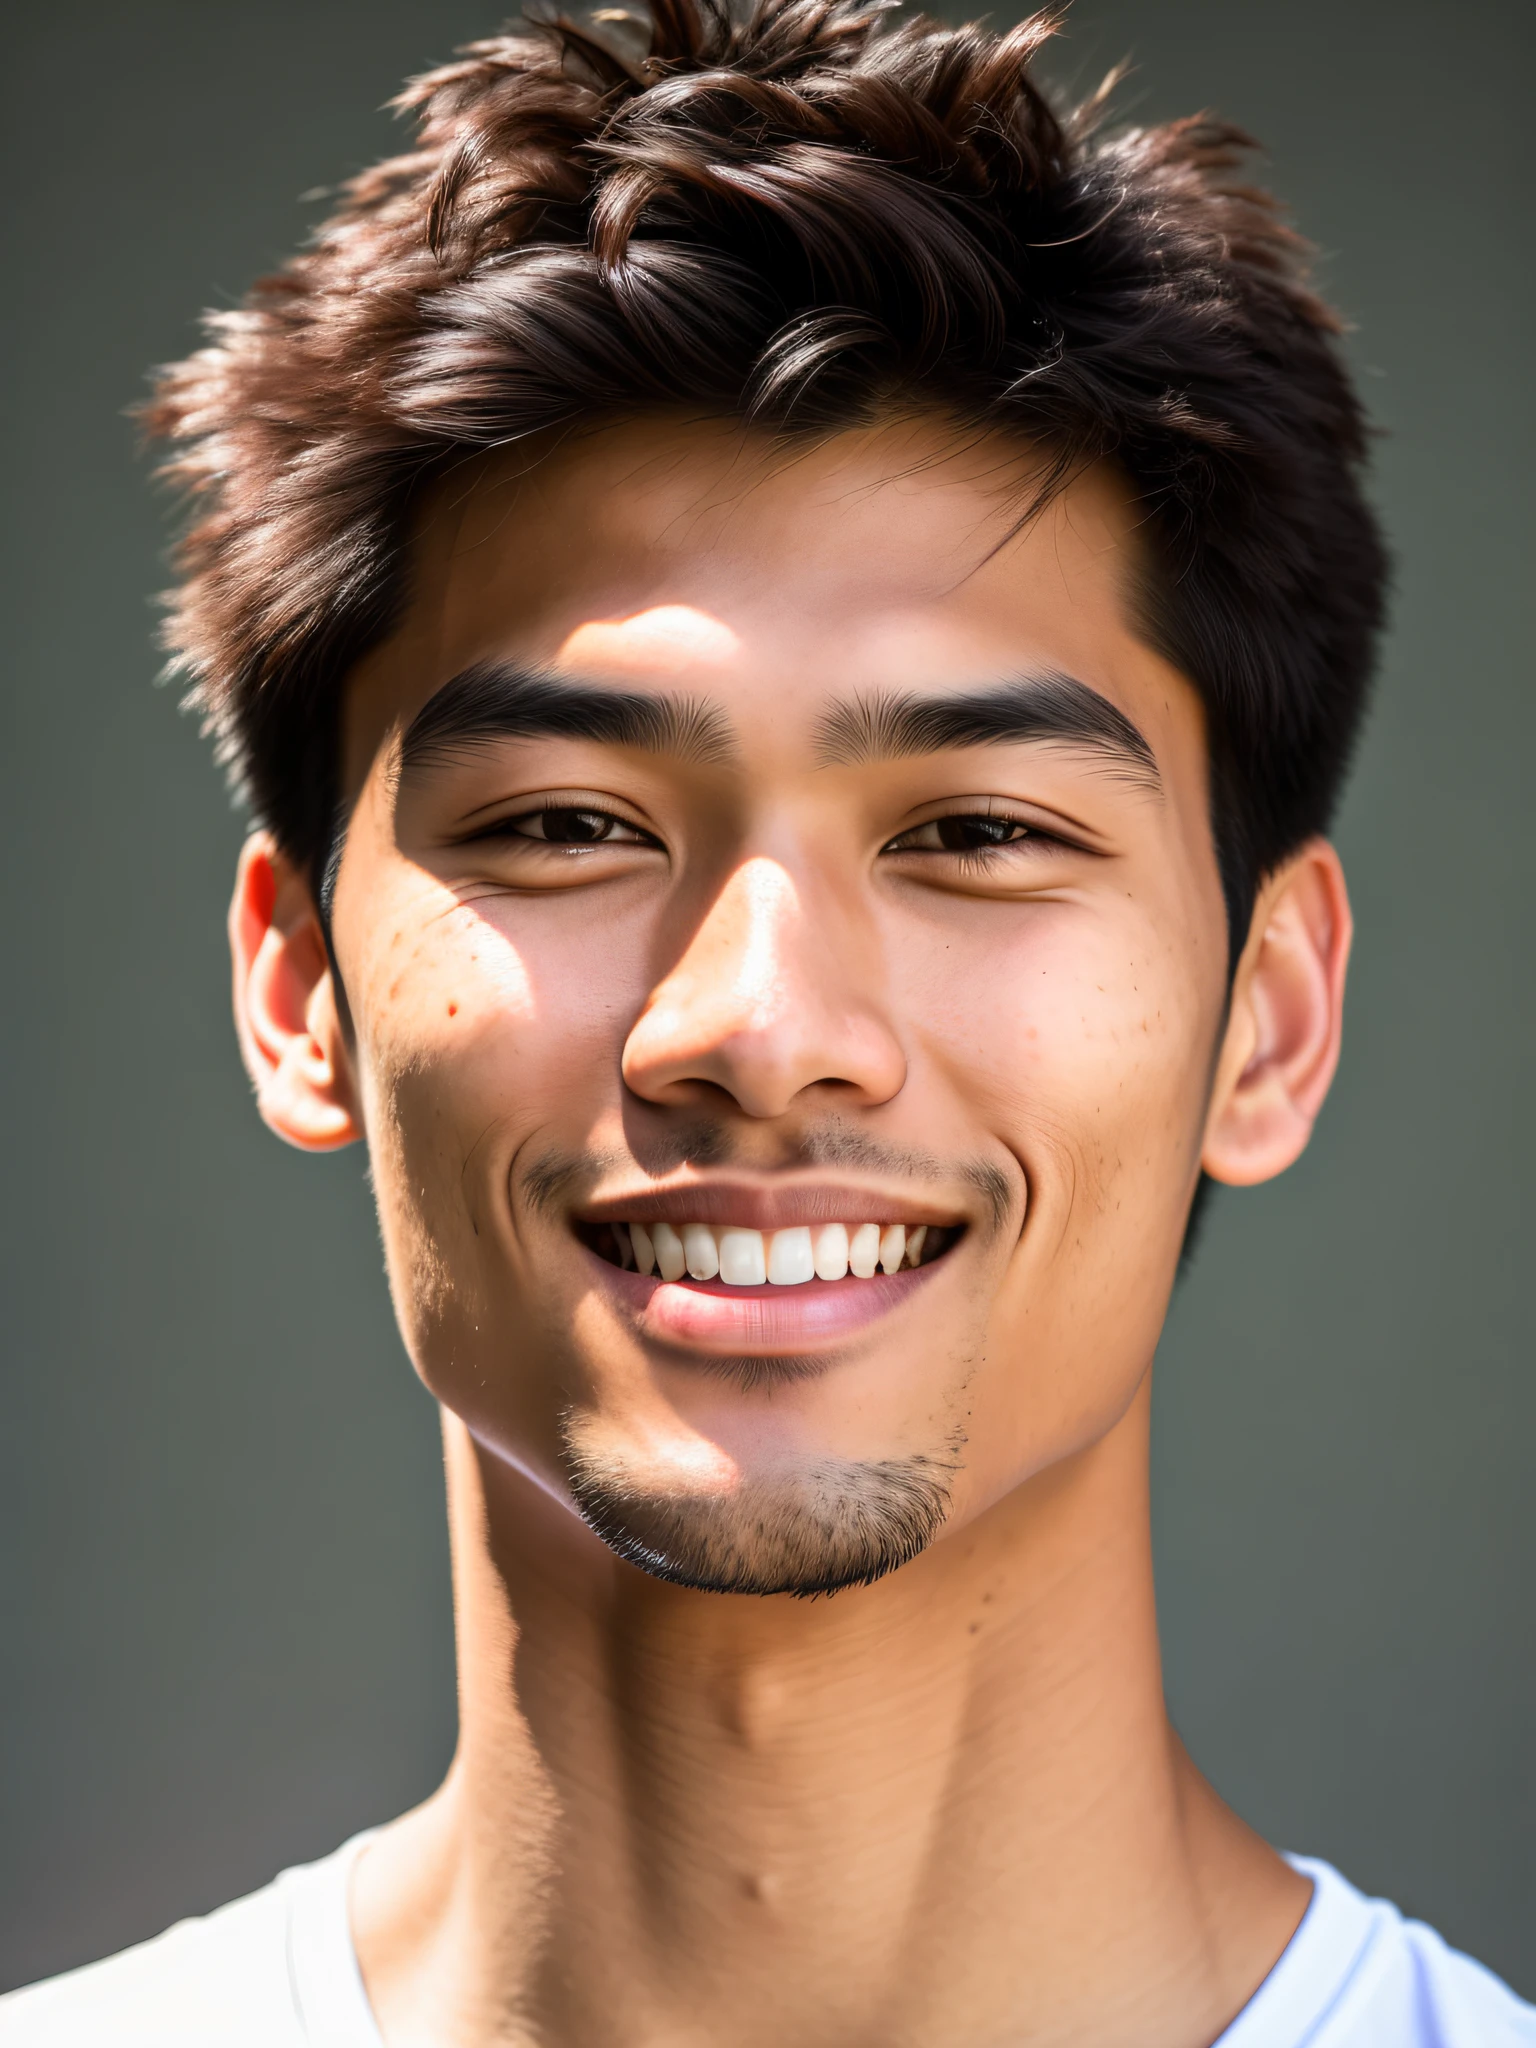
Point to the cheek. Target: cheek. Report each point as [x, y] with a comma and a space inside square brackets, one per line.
[1084, 1052]
[477, 1041]
[1085, 1044]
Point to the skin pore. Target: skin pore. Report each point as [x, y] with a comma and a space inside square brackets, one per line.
[894, 901]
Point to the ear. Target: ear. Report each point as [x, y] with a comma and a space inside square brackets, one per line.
[1285, 1023]
[285, 1004]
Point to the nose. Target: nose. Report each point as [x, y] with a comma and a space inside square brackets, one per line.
[766, 1001]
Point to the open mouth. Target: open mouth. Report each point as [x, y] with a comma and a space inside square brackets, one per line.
[734, 1256]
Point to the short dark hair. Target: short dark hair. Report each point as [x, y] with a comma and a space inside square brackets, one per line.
[801, 217]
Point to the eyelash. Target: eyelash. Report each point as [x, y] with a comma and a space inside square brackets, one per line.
[507, 828]
[970, 859]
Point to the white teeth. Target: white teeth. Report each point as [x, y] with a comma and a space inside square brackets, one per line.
[831, 1251]
[864, 1250]
[742, 1260]
[671, 1259]
[700, 1251]
[790, 1261]
[785, 1258]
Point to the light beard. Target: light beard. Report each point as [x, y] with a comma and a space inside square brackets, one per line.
[841, 1522]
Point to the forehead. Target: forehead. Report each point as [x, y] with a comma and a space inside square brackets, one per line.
[697, 555]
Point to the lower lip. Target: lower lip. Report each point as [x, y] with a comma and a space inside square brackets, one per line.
[703, 1315]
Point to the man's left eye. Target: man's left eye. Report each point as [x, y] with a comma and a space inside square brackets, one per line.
[962, 832]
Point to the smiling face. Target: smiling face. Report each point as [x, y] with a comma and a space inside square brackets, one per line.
[787, 964]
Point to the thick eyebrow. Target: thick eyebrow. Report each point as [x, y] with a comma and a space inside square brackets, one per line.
[496, 700]
[1048, 708]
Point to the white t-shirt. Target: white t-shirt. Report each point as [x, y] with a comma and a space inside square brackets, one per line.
[278, 1970]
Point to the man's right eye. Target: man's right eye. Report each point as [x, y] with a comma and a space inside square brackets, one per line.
[572, 825]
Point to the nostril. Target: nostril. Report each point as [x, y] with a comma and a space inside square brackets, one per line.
[764, 1005]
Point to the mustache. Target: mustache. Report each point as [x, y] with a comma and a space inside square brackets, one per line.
[560, 1176]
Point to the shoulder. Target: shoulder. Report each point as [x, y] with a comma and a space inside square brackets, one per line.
[221, 1981]
[1358, 1974]
[236, 1979]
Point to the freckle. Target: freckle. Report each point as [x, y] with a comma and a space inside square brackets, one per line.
[975, 1628]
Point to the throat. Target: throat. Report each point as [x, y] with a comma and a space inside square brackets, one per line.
[692, 1815]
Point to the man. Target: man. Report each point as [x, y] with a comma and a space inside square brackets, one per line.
[793, 621]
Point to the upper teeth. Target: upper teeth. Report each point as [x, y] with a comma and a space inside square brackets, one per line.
[784, 1258]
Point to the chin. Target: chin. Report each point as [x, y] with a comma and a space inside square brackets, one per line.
[804, 1528]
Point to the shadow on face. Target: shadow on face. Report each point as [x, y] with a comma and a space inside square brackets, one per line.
[786, 960]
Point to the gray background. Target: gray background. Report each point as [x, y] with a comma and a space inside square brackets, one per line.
[224, 1635]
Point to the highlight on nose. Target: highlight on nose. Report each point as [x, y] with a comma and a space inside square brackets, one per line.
[759, 1007]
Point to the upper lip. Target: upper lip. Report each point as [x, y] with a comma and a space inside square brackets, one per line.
[778, 1206]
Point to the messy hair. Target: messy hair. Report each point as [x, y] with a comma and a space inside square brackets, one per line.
[800, 217]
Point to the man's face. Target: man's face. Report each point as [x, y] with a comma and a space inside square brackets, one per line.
[810, 853]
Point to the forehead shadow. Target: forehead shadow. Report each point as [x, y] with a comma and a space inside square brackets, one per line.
[497, 700]
[1048, 708]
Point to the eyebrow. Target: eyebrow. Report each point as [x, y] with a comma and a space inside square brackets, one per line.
[497, 700]
[1048, 708]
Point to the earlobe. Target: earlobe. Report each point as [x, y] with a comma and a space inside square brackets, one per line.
[285, 1004]
[1285, 1024]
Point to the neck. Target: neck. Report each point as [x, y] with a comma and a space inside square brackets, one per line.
[945, 1808]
